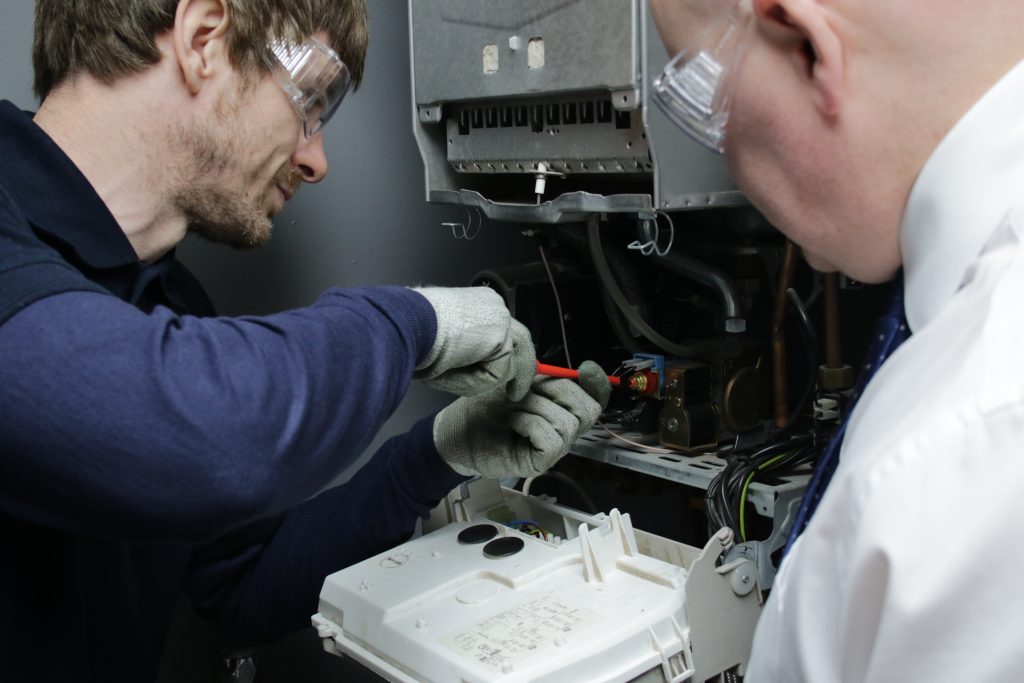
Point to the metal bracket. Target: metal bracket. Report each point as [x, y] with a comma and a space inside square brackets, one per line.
[572, 207]
[626, 100]
[722, 619]
[430, 113]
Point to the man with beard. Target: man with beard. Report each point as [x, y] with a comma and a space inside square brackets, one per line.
[148, 446]
[880, 135]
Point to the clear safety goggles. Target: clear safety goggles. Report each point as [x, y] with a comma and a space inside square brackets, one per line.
[313, 77]
[695, 88]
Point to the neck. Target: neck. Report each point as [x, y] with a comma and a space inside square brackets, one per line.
[121, 143]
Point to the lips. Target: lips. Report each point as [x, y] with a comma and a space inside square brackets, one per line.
[287, 181]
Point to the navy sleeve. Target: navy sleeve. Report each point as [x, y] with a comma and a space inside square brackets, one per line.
[132, 427]
[264, 582]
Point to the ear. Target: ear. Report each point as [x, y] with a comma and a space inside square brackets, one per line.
[200, 29]
[805, 26]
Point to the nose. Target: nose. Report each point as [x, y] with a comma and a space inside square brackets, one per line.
[310, 158]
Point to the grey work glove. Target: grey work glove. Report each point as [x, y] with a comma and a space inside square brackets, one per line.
[479, 345]
[492, 436]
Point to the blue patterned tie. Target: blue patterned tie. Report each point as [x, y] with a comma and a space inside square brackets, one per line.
[890, 331]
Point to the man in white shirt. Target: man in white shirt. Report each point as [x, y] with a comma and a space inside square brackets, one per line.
[880, 134]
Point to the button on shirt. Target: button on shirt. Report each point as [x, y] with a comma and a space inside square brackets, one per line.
[910, 568]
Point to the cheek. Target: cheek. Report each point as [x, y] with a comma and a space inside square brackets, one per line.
[776, 162]
[776, 188]
[756, 154]
[791, 194]
[271, 130]
[281, 138]
[266, 150]
[765, 139]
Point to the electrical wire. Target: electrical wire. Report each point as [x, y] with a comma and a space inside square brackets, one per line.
[743, 507]
[568, 481]
[558, 304]
[587, 501]
[810, 341]
[651, 245]
[635, 444]
[528, 526]
[746, 485]
[805, 321]
[726, 494]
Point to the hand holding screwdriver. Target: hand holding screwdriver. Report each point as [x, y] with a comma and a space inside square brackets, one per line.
[568, 373]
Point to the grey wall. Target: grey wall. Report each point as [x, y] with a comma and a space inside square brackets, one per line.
[15, 52]
[367, 223]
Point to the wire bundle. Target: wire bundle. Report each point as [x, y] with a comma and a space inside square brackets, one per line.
[726, 495]
[529, 527]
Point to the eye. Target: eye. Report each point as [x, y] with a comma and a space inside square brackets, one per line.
[315, 108]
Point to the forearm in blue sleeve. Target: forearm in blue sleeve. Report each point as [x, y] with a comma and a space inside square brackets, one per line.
[266, 589]
[128, 426]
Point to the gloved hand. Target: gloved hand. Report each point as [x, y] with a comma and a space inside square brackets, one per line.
[479, 345]
[491, 436]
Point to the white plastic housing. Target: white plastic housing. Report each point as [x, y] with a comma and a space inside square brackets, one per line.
[591, 609]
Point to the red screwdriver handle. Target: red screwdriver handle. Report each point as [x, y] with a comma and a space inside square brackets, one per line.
[567, 373]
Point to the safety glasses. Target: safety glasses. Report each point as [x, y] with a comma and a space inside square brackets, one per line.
[695, 88]
[313, 77]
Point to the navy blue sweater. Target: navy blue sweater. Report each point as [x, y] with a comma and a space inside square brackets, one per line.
[148, 447]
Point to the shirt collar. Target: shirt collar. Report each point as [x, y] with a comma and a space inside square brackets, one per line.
[55, 196]
[970, 183]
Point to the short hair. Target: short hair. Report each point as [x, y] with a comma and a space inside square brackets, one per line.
[113, 38]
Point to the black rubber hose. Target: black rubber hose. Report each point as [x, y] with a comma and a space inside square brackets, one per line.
[707, 275]
[612, 287]
[623, 273]
[618, 324]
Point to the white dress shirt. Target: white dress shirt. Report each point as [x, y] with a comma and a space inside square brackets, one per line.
[912, 568]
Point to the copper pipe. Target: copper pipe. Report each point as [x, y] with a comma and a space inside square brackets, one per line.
[833, 350]
[780, 388]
